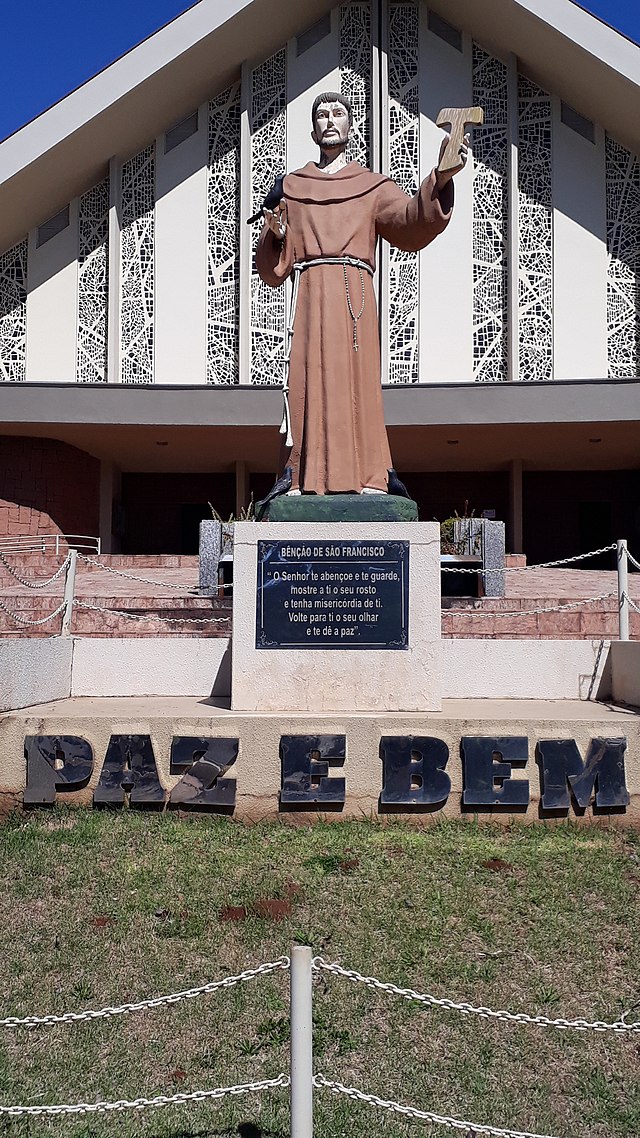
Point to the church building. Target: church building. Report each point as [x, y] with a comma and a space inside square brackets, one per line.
[141, 356]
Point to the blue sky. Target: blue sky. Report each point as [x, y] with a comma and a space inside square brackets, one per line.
[52, 46]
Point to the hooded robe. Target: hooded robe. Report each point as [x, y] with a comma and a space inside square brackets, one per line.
[335, 396]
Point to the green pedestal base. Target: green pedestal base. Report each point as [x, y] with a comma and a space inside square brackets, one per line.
[341, 508]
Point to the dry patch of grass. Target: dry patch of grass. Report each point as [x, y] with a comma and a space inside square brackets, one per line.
[104, 908]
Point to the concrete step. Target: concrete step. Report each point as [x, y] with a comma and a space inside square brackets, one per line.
[253, 782]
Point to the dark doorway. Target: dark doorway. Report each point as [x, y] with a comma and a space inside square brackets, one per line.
[595, 528]
[162, 512]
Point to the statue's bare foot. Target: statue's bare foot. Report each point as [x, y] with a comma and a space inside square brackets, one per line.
[293, 493]
[371, 490]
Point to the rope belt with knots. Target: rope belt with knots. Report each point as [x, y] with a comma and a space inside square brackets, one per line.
[299, 268]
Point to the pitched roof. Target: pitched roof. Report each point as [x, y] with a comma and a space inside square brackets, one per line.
[66, 149]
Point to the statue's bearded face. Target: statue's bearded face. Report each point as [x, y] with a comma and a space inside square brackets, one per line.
[330, 125]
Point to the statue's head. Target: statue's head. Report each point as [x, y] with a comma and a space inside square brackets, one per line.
[332, 119]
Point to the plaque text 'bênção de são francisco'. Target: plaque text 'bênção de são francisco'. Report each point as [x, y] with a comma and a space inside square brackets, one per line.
[333, 594]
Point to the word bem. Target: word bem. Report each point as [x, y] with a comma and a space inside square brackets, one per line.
[413, 775]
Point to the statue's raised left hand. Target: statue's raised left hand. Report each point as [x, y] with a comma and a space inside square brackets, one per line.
[276, 219]
[444, 176]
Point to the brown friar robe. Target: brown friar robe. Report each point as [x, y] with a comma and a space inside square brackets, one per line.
[337, 419]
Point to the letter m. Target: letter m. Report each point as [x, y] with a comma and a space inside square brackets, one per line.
[563, 771]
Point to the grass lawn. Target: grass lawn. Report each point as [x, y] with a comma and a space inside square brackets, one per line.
[103, 908]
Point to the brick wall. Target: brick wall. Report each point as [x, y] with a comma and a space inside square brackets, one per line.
[47, 487]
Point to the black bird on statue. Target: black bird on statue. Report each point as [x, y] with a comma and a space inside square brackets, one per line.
[273, 198]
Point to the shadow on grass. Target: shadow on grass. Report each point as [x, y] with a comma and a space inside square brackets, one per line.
[243, 1130]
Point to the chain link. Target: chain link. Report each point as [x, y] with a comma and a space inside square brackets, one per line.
[132, 576]
[631, 603]
[33, 584]
[620, 1027]
[32, 623]
[142, 1103]
[153, 616]
[158, 1001]
[632, 559]
[471, 1128]
[527, 612]
[542, 565]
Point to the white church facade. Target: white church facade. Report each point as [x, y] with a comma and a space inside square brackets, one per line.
[140, 354]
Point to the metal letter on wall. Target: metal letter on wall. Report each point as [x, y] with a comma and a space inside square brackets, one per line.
[535, 223]
[93, 283]
[305, 769]
[487, 765]
[562, 769]
[129, 768]
[55, 762]
[404, 163]
[13, 314]
[623, 248]
[490, 218]
[268, 127]
[138, 267]
[413, 774]
[202, 762]
[223, 223]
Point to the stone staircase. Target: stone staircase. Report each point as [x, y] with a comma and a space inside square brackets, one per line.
[174, 581]
[168, 596]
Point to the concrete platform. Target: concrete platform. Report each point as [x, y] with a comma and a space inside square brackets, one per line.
[437, 747]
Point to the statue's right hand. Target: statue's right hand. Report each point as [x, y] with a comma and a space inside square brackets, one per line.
[276, 219]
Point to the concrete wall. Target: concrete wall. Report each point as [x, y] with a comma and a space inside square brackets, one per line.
[625, 672]
[470, 669]
[130, 667]
[258, 767]
[34, 671]
[52, 304]
[521, 669]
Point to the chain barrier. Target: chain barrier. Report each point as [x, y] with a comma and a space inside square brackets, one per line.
[33, 584]
[527, 612]
[143, 1103]
[132, 576]
[542, 565]
[633, 561]
[620, 1027]
[173, 998]
[153, 616]
[471, 1128]
[32, 623]
[631, 603]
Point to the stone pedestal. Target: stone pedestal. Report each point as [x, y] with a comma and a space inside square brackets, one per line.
[342, 508]
[323, 674]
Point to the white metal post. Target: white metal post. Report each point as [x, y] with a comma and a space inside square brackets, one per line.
[301, 1043]
[69, 588]
[623, 591]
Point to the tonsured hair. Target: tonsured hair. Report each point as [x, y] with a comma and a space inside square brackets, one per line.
[331, 97]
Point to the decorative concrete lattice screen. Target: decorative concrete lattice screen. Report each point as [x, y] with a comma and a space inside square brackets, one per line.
[223, 225]
[13, 314]
[137, 267]
[623, 247]
[490, 219]
[268, 127]
[93, 288]
[404, 164]
[535, 210]
[355, 76]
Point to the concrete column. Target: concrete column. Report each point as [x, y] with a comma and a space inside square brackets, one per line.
[514, 529]
[513, 252]
[113, 325]
[242, 487]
